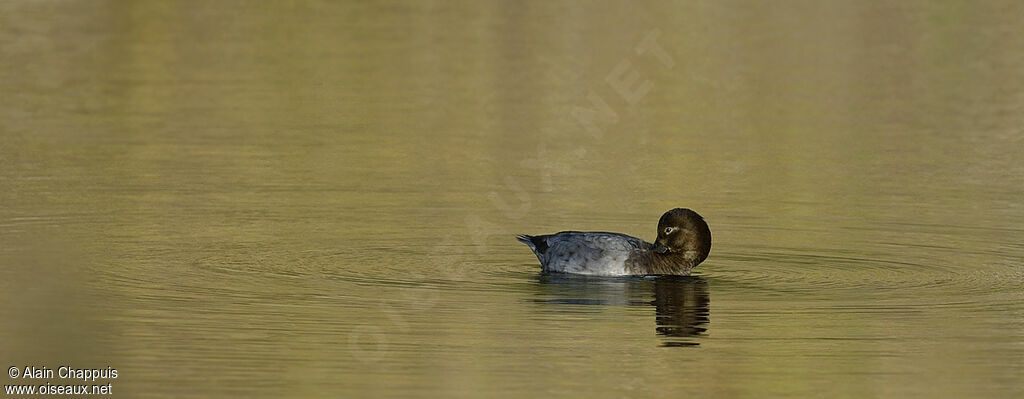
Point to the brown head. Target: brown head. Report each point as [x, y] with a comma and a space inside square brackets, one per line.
[683, 233]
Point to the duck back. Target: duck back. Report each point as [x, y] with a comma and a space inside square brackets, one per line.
[591, 253]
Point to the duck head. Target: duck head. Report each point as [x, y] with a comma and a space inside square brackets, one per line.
[682, 232]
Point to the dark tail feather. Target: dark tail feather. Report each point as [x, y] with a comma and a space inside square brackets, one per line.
[537, 243]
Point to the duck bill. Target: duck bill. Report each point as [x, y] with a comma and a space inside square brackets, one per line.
[660, 248]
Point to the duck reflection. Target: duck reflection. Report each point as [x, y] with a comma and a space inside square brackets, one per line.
[681, 303]
[681, 307]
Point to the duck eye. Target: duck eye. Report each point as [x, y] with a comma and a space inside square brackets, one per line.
[668, 230]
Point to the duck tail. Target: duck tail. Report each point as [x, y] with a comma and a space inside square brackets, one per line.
[537, 244]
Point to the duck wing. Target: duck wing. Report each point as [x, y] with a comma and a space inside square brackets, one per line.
[598, 253]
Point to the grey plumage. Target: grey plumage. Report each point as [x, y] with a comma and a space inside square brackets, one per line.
[596, 253]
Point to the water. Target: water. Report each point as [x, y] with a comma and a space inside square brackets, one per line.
[319, 200]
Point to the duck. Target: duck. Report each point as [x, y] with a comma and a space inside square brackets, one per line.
[683, 242]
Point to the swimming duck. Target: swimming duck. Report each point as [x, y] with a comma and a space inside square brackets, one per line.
[683, 242]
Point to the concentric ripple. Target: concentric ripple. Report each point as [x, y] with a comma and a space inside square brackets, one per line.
[917, 269]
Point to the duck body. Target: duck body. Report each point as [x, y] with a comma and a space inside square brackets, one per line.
[683, 242]
[589, 253]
